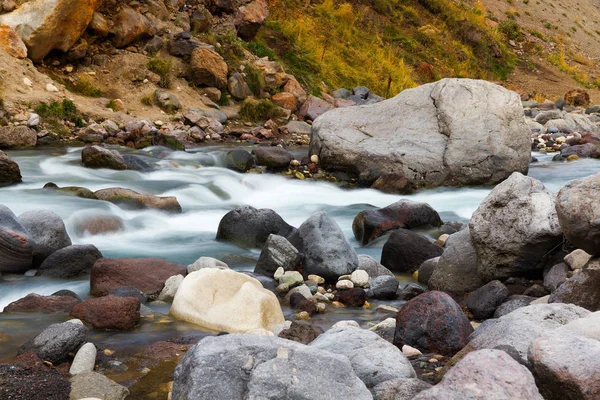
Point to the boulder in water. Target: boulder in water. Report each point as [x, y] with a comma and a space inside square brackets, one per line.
[225, 300]
[134, 200]
[71, 261]
[17, 136]
[405, 251]
[10, 173]
[16, 246]
[426, 136]
[56, 342]
[48, 232]
[99, 157]
[34, 303]
[109, 312]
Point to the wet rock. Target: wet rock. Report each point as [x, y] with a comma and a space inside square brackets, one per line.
[277, 253]
[10, 173]
[249, 18]
[511, 304]
[239, 160]
[410, 291]
[130, 291]
[426, 270]
[94, 385]
[134, 200]
[56, 342]
[206, 262]
[326, 251]
[368, 225]
[84, 360]
[396, 137]
[171, 287]
[399, 389]
[483, 302]
[566, 365]
[16, 247]
[129, 26]
[109, 313]
[250, 227]
[314, 107]
[354, 297]
[514, 227]
[456, 271]
[225, 300]
[514, 332]
[135, 163]
[582, 289]
[47, 231]
[45, 26]
[373, 359]
[432, 322]
[577, 208]
[301, 332]
[272, 156]
[275, 363]
[17, 136]
[372, 267]
[207, 68]
[556, 276]
[405, 251]
[490, 374]
[146, 274]
[37, 383]
[99, 157]
[34, 303]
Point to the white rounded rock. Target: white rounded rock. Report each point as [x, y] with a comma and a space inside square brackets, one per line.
[206, 262]
[360, 278]
[342, 324]
[171, 285]
[344, 284]
[84, 360]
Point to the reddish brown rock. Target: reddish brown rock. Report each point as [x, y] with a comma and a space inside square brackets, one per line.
[100, 225]
[314, 107]
[368, 225]
[109, 312]
[39, 383]
[249, 18]
[207, 68]
[285, 100]
[129, 26]
[11, 43]
[434, 323]
[293, 87]
[577, 97]
[146, 274]
[34, 303]
[354, 297]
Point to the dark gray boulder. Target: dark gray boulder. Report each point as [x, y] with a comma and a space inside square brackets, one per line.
[99, 157]
[16, 247]
[277, 253]
[56, 342]
[239, 160]
[273, 157]
[483, 302]
[48, 232]
[582, 289]
[405, 251]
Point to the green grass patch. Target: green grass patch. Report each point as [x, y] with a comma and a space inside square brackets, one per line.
[54, 114]
[85, 86]
[259, 110]
[162, 68]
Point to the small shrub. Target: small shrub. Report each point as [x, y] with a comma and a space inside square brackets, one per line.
[85, 86]
[55, 113]
[148, 100]
[162, 68]
[259, 110]
[260, 50]
[511, 30]
[255, 79]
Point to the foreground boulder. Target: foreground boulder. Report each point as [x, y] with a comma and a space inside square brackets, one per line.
[93, 385]
[37, 383]
[424, 136]
[10, 173]
[483, 302]
[257, 366]
[99, 157]
[45, 25]
[56, 342]
[514, 332]
[42, 304]
[109, 312]
[48, 232]
[368, 225]
[16, 247]
[17, 136]
[134, 200]
[373, 359]
[148, 275]
[250, 227]
[456, 270]
[485, 374]
[72, 261]
[566, 365]
[225, 300]
[579, 214]
[405, 251]
[514, 227]
[432, 322]
[326, 251]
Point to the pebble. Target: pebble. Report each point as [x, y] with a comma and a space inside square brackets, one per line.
[279, 272]
[573, 157]
[84, 360]
[321, 307]
[337, 304]
[303, 316]
[51, 88]
[27, 82]
[387, 308]
[316, 278]
[30, 272]
[409, 351]
[314, 159]
[116, 366]
[360, 278]
[320, 297]
[345, 284]
[342, 324]
[293, 278]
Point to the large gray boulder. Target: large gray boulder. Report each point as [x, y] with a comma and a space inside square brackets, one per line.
[375, 360]
[450, 132]
[74, 260]
[16, 247]
[485, 374]
[514, 332]
[372, 267]
[48, 232]
[326, 251]
[244, 366]
[566, 365]
[56, 342]
[99, 157]
[456, 269]
[578, 211]
[514, 227]
[406, 250]
[277, 253]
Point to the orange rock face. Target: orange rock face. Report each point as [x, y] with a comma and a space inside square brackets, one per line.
[285, 100]
[46, 25]
[11, 43]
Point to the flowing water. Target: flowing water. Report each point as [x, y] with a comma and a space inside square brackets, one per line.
[206, 192]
